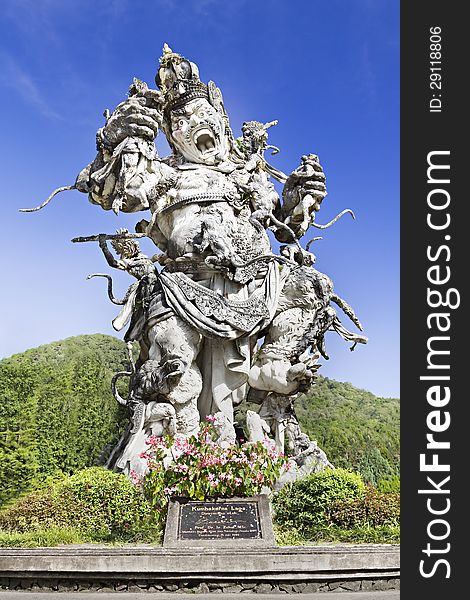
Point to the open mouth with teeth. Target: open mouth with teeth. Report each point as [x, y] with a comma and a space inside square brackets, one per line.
[205, 140]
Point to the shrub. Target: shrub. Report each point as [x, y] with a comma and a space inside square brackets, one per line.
[304, 504]
[374, 509]
[389, 484]
[335, 506]
[286, 536]
[94, 501]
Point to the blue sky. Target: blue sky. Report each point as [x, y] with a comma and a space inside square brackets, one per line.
[327, 70]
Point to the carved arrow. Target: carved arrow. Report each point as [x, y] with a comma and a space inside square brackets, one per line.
[105, 236]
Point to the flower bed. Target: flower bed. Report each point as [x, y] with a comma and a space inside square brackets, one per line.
[200, 468]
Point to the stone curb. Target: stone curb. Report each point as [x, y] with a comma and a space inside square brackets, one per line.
[202, 570]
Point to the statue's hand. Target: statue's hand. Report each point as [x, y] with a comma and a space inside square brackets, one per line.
[303, 193]
[308, 179]
[131, 118]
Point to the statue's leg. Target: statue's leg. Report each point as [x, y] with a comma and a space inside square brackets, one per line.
[278, 367]
[175, 345]
[272, 373]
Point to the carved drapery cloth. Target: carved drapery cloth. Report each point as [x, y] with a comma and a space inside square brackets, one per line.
[227, 313]
[228, 316]
[126, 312]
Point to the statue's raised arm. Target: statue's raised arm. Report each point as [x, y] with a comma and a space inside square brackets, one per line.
[126, 168]
[303, 193]
[302, 196]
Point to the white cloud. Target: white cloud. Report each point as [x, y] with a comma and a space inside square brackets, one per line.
[15, 78]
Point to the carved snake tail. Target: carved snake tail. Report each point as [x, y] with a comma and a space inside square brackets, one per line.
[347, 335]
[116, 394]
[333, 221]
[307, 247]
[49, 198]
[322, 348]
[275, 149]
[282, 225]
[347, 309]
[110, 288]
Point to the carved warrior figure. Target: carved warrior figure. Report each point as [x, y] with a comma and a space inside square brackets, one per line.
[221, 289]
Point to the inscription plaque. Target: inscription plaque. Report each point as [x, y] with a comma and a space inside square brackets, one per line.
[219, 522]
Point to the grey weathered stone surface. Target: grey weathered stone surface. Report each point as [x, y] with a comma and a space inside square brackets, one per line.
[386, 595]
[266, 563]
[263, 588]
[263, 570]
[353, 586]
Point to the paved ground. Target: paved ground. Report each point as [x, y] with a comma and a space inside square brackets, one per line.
[5, 595]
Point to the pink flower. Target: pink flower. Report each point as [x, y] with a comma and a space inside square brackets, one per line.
[181, 468]
[155, 441]
[210, 418]
[210, 460]
[135, 477]
[182, 446]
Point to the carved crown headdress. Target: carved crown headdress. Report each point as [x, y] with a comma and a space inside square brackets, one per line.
[178, 80]
[179, 83]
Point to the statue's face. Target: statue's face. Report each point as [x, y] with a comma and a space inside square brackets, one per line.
[197, 130]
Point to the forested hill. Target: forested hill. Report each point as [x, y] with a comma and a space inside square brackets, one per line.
[57, 413]
[354, 427]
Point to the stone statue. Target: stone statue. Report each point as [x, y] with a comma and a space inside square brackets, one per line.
[257, 427]
[158, 419]
[224, 318]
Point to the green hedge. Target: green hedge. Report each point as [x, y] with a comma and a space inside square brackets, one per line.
[99, 504]
[304, 504]
[389, 484]
[374, 509]
[335, 506]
